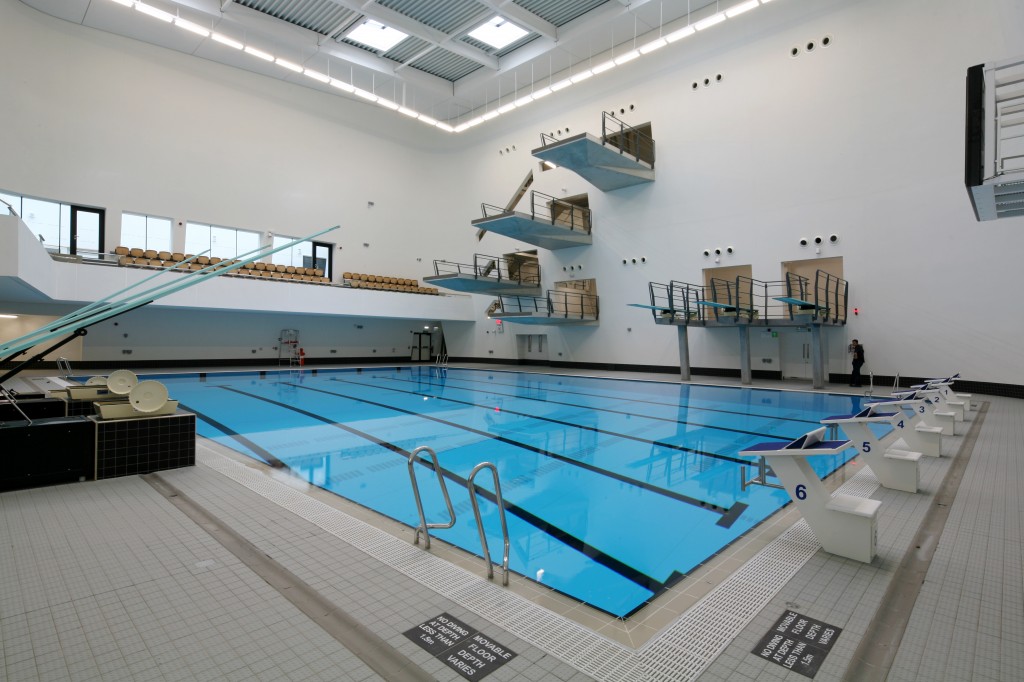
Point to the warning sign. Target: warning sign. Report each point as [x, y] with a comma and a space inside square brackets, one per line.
[798, 643]
[460, 647]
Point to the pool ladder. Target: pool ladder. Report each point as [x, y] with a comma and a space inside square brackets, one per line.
[425, 527]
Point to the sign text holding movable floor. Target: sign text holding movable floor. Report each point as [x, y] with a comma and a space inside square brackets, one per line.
[798, 643]
[460, 647]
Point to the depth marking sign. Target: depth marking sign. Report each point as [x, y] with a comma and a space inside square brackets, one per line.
[460, 647]
[798, 643]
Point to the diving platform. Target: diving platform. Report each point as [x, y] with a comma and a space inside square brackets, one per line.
[551, 224]
[494, 275]
[622, 156]
[743, 303]
[558, 307]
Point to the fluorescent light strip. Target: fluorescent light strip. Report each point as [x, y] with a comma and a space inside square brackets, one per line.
[192, 28]
[154, 12]
[12, 317]
[266, 56]
[739, 9]
[710, 21]
[317, 76]
[224, 40]
[647, 48]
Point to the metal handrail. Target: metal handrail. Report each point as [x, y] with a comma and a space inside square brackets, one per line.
[8, 395]
[542, 209]
[760, 479]
[479, 521]
[64, 366]
[425, 527]
[622, 130]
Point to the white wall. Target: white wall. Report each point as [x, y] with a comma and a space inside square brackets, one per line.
[863, 139]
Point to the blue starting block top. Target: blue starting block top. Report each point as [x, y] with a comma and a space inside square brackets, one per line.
[865, 414]
[803, 305]
[807, 444]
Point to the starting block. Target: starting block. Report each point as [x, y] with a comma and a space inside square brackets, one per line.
[933, 411]
[844, 524]
[945, 387]
[916, 433]
[895, 468]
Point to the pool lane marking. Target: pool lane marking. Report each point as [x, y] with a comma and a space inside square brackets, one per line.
[678, 497]
[759, 434]
[649, 402]
[615, 434]
[611, 563]
[235, 435]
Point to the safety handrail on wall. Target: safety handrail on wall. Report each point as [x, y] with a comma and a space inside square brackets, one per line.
[425, 527]
[479, 521]
[629, 140]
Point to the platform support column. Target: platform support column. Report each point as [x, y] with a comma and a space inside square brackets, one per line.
[744, 354]
[684, 353]
[817, 357]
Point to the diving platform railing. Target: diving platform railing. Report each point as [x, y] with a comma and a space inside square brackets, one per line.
[559, 306]
[550, 224]
[123, 301]
[994, 145]
[825, 298]
[622, 156]
[486, 274]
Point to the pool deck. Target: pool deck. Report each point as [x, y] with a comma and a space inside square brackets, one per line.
[226, 571]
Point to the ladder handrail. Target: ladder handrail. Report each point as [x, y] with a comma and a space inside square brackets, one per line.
[479, 522]
[64, 366]
[424, 526]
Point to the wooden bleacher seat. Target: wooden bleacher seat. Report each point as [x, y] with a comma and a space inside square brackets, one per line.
[202, 260]
[177, 257]
[121, 250]
[164, 255]
[136, 253]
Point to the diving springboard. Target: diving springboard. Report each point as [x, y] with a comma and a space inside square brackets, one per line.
[651, 307]
[800, 303]
[720, 306]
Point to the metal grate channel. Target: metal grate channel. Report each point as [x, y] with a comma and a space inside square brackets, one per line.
[680, 653]
[443, 15]
[442, 63]
[322, 16]
[560, 12]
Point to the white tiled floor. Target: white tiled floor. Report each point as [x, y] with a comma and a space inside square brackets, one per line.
[108, 580]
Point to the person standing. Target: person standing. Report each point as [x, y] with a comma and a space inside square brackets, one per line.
[857, 351]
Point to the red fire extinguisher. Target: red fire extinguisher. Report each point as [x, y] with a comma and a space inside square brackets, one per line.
[302, 357]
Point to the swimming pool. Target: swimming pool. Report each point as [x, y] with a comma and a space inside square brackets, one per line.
[614, 489]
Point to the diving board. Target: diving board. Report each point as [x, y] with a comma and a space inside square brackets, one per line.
[845, 525]
[800, 303]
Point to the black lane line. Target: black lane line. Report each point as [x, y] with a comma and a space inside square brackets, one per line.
[609, 562]
[680, 448]
[678, 497]
[595, 409]
[228, 431]
[726, 520]
[648, 402]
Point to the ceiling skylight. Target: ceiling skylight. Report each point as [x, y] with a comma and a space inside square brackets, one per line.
[376, 35]
[498, 33]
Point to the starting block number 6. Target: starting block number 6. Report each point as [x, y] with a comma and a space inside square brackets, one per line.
[801, 492]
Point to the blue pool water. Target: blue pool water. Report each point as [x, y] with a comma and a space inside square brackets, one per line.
[613, 489]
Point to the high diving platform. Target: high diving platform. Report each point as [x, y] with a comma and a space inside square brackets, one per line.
[551, 223]
[622, 156]
[557, 307]
[495, 275]
[745, 303]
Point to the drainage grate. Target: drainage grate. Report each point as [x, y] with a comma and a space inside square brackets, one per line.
[680, 652]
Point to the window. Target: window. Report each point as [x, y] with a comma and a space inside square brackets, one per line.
[145, 232]
[63, 228]
[293, 256]
[221, 242]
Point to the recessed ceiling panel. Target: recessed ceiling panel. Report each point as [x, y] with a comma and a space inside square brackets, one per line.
[323, 16]
[445, 64]
[560, 12]
[443, 15]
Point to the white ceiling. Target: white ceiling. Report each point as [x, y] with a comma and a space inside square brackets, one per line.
[438, 71]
